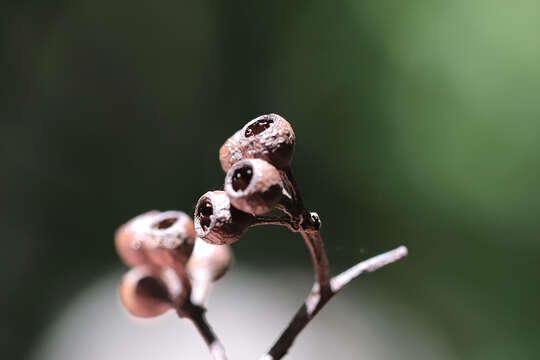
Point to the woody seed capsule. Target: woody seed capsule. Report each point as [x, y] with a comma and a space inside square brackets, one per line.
[268, 137]
[169, 239]
[148, 292]
[128, 239]
[253, 186]
[217, 221]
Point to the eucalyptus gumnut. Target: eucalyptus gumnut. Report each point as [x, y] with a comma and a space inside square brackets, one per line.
[149, 292]
[217, 221]
[128, 239]
[269, 137]
[163, 239]
[253, 186]
[169, 239]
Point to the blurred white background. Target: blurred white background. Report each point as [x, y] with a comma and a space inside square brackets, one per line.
[248, 309]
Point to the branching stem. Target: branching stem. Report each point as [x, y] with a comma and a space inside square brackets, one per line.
[297, 219]
[316, 300]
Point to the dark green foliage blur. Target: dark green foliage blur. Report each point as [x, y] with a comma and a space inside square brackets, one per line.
[418, 123]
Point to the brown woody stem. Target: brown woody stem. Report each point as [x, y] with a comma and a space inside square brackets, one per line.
[316, 300]
[315, 245]
[324, 288]
[194, 310]
[280, 221]
[338, 282]
[214, 345]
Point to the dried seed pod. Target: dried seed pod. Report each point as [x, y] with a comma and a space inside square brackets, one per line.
[268, 137]
[148, 292]
[231, 151]
[128, 239]
[253, 186]
[217, 221]
[209, 261]
[169, 239]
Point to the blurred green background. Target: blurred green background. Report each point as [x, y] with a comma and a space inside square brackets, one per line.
[418, 123]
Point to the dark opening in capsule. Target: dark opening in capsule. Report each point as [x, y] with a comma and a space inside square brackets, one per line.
[151, 288]
[258, 127]
[241, 177]
[204, 213]
[165, 223]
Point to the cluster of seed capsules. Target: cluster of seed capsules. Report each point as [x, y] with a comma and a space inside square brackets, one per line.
[173, 257]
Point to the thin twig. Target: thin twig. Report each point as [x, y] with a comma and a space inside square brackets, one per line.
[318, 255]
[271, 220]
[214, 345]
[316, 301]
[339, 281]
[193, 309]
